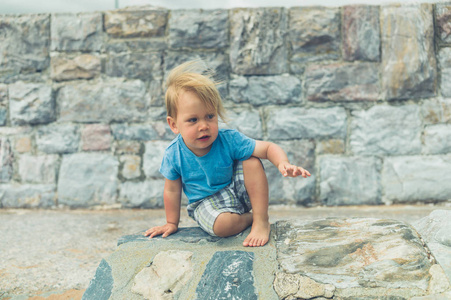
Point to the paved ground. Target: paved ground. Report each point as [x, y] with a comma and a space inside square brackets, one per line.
[53, 254]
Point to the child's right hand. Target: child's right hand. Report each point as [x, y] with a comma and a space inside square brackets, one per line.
[164, 230]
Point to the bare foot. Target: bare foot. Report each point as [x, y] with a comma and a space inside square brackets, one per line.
[259, 235]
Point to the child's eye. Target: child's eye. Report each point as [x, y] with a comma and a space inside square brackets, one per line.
[211, 116]
[192, 120]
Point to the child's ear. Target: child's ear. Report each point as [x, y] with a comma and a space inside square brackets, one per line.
[173, 125]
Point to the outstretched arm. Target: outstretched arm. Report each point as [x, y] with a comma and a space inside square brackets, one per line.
[278, 157]
[172, 198]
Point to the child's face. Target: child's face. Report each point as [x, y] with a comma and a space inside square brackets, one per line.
[197, 125]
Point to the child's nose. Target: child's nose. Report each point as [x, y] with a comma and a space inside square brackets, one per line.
[203, 125]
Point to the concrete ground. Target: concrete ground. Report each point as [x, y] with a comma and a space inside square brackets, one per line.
[53, 254]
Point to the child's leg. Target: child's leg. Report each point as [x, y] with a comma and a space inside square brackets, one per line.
[228, 224]
[256, 185]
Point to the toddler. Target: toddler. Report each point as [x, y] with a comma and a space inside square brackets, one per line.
[219, 170]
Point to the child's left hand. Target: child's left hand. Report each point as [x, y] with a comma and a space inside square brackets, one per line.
[289, 170]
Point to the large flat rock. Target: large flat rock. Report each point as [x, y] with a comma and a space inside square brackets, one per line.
[354, 258]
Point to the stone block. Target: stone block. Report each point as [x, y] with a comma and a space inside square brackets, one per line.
[247, 121]
[96, 137]
[127, 147]
[333, 146]
[350, 180]
[198, 29]
[437, 139]
[436, 111]
[38, 169]
[27, 195]
[6, 160]
[152, 158]
[436, 231]
[444, 59]
[136, 65]
[359, 255]
[408, 59]
[443, 21]
[3, 104]
[58, 139]
[145, 21]
[77, 32]
[404, 183]
[130, 166]
[143, 194]
[314, 35]
[257, 41]
[385, 129]
[361, 33]
[84, 66]
[31, 104]
[301, 287]
[297, 191]
[23, 144]
[305, 123]
[266, 90]
[168, 274]
[88, 179]
[342, 82]
[142, 132]
[25, 44]
[112, 100]
[235, 278]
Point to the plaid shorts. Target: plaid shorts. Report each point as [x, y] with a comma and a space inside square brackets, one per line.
[233, 198]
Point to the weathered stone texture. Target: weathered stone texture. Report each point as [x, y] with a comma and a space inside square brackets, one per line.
[246, 121]
[77, 32]
[302, 123]
[25, 44]
[314, 35]
[27, 195]
[196, 28]
[169, 273]
[3, 104]
[88, 179]
[437, 139]
[436, 111]
[84, 66]
[142, 132]
[103, 101]
[265, 90]
[31, 103]
[6, 160]
[130, 166]
[385, 129]
[350, 180]
[133, 22]
[299, 191]
[257, 41]
[342, 82]
[301, 287]
[361, 33]
[145, 194]
[38, 169]
[408, 60]
[228, 274]
[134, 65]
[96, 137]
[444, 59]
[404, 183]
[63, 138]
[358, 254]
[152, 158]
[443, 21]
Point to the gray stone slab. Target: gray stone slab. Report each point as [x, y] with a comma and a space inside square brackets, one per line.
[228, 275]
[356, 255]
[101, 285]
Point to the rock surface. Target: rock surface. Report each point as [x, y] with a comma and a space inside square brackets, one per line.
[333, 258]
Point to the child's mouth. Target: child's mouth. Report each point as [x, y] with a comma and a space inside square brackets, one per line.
[204, 138]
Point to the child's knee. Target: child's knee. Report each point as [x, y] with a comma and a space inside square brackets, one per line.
[252, 163]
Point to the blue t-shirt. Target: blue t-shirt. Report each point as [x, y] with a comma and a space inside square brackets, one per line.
[203, 176]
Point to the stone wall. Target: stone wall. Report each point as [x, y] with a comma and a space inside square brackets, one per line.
[359, 95]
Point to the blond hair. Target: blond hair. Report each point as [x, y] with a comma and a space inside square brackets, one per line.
[195, 77]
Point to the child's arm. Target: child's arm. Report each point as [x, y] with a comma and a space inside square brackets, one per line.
[278, 157]
[172, 198]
